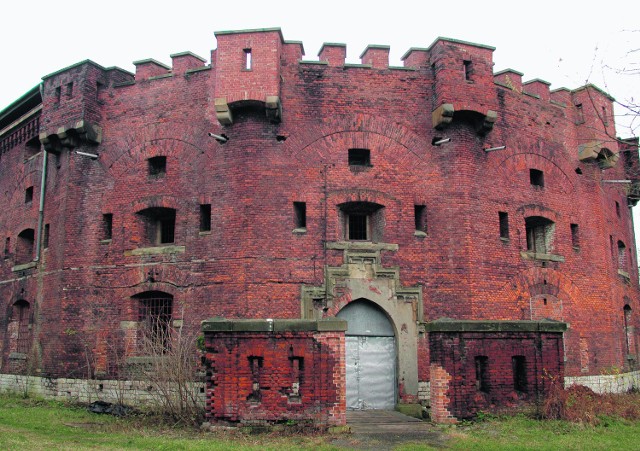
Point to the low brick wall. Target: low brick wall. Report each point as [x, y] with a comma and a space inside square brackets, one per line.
[481, 365]
[267, 371]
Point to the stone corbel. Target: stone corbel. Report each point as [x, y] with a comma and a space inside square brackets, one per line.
[487, 123]
[223, 112]
[71, 136]
[442, 116]
[273, 109]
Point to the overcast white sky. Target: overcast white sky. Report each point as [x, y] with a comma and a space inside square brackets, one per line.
[566, 43]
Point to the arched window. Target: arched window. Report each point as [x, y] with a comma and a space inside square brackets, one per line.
[540, 233]
[154, 317]
[24, 246]
[21, 319]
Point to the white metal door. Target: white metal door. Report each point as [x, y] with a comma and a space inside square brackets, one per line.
[371, 372]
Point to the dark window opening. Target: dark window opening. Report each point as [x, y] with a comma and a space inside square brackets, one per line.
[359, 157]
[45, 240]
[7, 247]
[69, 89]
[579, 114]
[605, 118]
[358, 226]
[247, 59]
[468, 69]
[28, 195]
[540, 233]
[58, 94]
[363, 221]
[519, 367]
[504, 224]
[22, 318]
[159, 224]
[420, 218]
[24, 247]
[536, 177]
[154, 316]
[575, 235]
[107, 226]
[157, 166]
[205, 217]
[628, 330]
[300, 215]
[482, 373]
[617, 209]
[622, 256]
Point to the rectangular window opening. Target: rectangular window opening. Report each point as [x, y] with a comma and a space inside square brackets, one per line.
[157, 166]
[605, 120]
[7, 247]
[358, 227]
[420, 218]
[536, 177]
[579, 114]
[482, 373]
[359, 157]
[45, 239]
[300, 215]
[107, 226]
[247, 59]
[69, 89]
[575, 235]
[468, 69]
[205, 217]
[617, 208]
[58, 94]
[519, 368]
[504, 224]
[28, 195]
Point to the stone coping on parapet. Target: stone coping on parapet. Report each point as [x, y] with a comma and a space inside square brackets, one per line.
[274, 325]
[488, 326]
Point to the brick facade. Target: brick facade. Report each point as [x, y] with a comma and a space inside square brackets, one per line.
[519, 219]
[279, 370]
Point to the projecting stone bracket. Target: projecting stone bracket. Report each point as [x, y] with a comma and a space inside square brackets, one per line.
[594, 151]
[444, 114]
[272, 104]
[71, 136]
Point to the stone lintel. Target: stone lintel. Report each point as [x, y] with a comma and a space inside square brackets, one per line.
[540, 256]
[275, 325]
[360, 245]
[452, 325]
[157, 250]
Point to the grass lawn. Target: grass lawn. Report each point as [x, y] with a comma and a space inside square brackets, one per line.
[28, 424]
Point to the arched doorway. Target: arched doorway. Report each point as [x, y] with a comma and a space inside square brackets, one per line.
[370, 357]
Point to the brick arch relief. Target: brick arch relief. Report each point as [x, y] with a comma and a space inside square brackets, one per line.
[123, 155]
[389, 142]
[513, 169]
[537, 294]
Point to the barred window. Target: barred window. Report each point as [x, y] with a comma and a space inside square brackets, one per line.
[21, 317]
[154, 316]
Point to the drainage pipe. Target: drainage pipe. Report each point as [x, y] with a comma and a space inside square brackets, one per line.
[45, 159]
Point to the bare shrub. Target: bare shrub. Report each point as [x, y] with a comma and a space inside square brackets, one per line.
[580, 404]
[170, 367]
